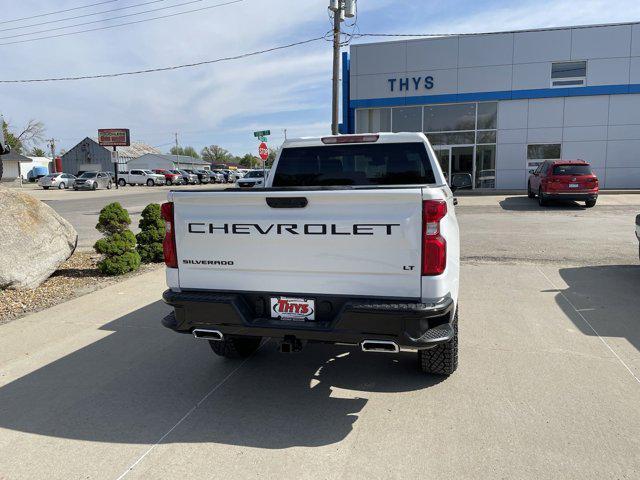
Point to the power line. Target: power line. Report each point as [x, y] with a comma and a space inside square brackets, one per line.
[84, 15]
[122, 24]
[105, 19]
[173, 67]
[58, 11]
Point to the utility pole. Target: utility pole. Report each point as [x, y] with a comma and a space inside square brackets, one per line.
[52, 147]
[177, 161]
[340, 9]
[336, 6]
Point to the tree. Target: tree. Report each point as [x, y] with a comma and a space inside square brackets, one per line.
[118, 246]
[186, 151]
[37, 152]
[249, 161]
[33, 132]
[151, 234]
[215, 154]
[273, 153]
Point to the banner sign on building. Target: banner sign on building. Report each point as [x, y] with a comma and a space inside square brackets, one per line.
[114, 137]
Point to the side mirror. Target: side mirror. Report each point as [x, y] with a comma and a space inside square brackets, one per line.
[460, 181]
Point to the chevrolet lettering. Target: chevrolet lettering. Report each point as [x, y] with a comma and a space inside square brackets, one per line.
[292, 228]
[353, 240]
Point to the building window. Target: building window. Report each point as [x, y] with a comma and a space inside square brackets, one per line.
[373, 120]
[538, 153]
[568, 74]
[407, 119]
[487, 116]
[486, 166]
[447, 118]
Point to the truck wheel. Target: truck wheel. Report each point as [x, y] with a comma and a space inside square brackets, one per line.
[169, 182]
[443, 359]
[150, 183]
[122, 182]
[590, 203]
[235, 347]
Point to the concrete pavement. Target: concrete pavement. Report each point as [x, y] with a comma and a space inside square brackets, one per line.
[547, 388]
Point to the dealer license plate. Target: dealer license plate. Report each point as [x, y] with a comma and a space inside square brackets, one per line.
[296, 309]
[574, 185]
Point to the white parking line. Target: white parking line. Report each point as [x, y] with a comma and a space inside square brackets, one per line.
[186, 415]
[590, 326]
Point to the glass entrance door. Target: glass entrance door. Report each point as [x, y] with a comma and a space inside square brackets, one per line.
[444, 158]
[462, 165]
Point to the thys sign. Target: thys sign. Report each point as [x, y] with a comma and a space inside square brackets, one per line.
[413, 84]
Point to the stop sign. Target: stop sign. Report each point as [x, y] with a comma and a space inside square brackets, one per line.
[263, 150]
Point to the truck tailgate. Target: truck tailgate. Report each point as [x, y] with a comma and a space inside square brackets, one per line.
[361, 242]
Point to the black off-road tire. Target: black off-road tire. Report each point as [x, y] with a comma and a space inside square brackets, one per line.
[443, 359]
[590, 203]
[530, 193]
[235, 347]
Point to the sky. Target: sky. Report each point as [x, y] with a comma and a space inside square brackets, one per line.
[224, 103]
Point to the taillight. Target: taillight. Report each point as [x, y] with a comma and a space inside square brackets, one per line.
[434, 246]
[169, 242]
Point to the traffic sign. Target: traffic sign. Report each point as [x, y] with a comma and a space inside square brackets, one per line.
[263, 150]
[114, 156]
[263, 133]
[262, 139]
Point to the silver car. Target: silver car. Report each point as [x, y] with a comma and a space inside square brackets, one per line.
[57, 180]
[93, 181]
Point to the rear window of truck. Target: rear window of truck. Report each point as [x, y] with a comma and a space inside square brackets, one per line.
[360, 164]
[571, 170]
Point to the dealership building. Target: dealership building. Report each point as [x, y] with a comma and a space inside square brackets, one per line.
[496, 105]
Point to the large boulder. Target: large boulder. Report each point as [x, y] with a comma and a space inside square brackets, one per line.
[34, 240]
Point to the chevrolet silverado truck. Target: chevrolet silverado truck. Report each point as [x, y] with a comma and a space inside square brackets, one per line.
[353, 241]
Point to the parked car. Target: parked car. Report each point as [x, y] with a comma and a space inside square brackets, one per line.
[563, 180]
[57, 180]
[230, 175]
[140, 177]
[93, 181]
[170, 178]
[255, 178]
[187, 178]
[379, 279]
[638, 232]
[201, 175]
[217, 176]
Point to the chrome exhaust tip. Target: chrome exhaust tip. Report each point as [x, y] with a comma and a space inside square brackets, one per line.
[384, 346]
[205, 334]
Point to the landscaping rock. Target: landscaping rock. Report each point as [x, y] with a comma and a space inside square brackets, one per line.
[34, 240]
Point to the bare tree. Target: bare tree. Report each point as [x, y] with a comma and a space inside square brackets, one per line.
[30, 135]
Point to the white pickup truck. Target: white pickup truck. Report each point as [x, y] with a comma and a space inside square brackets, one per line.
[353, 241]
[140, 177]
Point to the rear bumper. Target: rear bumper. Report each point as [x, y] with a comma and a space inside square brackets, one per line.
[576, 196]
[410, 325]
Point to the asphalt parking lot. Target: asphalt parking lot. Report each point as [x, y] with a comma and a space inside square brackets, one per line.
[548, 385]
